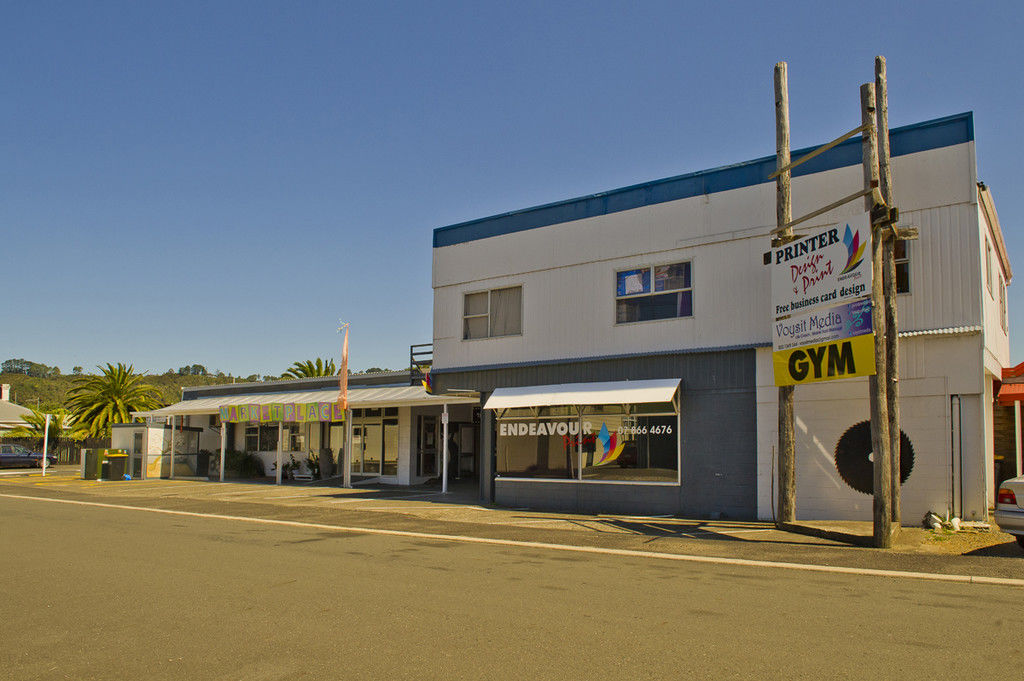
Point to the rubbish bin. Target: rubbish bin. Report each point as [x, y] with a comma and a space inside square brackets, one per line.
[116, 465]
[203, 464]
[93, 464]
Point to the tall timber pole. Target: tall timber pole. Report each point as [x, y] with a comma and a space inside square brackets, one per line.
[783, 216]
[882, 515]
[892, 357]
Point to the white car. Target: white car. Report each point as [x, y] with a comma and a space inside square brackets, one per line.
[1010, 508]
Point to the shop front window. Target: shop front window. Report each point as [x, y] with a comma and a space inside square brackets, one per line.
[632, 448]
[538, 448]
[261, 438]
[375, 444]
[622, 443]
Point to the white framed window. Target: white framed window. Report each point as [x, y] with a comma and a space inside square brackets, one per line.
[648, 293]
[988, 265]
[493, 313]
[261, 438]
[1002, 303]
[901, 258]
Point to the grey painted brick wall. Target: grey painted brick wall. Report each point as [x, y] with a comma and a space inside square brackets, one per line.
[719, 435]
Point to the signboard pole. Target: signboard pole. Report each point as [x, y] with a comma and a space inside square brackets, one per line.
[444, 450]
[882, 525]
[171, 474]
[346, 457]
[892, 358]
[46, 442]
[223, 447]
[783, 215]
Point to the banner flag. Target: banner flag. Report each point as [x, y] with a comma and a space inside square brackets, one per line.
[343, 373]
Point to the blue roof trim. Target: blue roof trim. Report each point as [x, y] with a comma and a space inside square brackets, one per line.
[909, 139]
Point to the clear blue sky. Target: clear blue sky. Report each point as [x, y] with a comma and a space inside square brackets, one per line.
[219, 183]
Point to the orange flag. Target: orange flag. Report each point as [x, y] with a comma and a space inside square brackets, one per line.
[343, 374]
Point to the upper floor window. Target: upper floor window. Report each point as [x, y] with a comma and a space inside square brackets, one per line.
[988, 265]
[1002, 302]
[498, 312]
[658, 292]
[902, 260]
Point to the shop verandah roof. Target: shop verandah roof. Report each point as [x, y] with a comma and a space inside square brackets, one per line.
[358, 398]
[610, 392]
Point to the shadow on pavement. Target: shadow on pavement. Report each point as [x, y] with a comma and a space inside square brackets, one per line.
[1010, 549]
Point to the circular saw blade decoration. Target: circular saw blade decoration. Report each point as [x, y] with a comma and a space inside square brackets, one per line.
[853, 458]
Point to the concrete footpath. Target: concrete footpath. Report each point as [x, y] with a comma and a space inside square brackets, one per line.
[425, 511]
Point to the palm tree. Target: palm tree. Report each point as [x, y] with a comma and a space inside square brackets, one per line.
[111, 397]
[307, 369]
[60, 422]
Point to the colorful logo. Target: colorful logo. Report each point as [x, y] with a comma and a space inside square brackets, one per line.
[854, 249]
[611, 448]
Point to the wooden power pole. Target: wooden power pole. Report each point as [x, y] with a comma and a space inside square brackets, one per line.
[892, 344]
[783, 216]
[882, 532]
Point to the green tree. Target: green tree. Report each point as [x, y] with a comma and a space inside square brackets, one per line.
[60, 422]
[309, 369]
[111, 397]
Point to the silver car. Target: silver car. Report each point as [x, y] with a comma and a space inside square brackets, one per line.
[1010, 508]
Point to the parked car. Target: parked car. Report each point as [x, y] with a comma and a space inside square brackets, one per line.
[1010, 508]
[16, 455]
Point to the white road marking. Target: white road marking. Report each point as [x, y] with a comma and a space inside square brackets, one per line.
[405, 508]
[628, 553]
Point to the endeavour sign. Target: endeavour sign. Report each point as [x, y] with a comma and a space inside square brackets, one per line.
[826, 267]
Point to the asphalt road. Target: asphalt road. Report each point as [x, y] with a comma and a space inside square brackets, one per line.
[120, 594]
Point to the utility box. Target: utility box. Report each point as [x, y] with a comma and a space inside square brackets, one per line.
[104, 464]
[92, 460]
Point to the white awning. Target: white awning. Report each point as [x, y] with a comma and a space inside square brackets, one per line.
[358, 398]
[617, 392]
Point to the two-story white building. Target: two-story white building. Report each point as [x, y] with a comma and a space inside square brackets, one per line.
[621, 341]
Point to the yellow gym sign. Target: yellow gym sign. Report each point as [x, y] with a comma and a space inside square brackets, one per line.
[843, 358]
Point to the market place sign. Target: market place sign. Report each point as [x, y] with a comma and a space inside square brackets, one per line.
[821, 306]
[287, 412]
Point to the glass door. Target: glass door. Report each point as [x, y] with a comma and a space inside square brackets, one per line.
[427, 448]
[467, 449]
[373, 445]
[357, 450]
[390, 447]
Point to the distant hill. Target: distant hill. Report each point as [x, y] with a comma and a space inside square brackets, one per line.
[51, 392]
